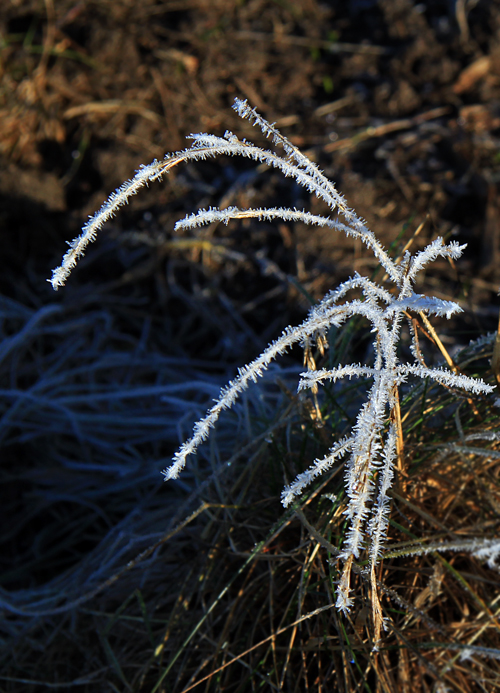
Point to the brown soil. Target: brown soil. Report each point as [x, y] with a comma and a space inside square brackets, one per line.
[398, 102]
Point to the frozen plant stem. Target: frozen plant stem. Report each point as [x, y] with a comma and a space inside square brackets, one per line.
[372, 445]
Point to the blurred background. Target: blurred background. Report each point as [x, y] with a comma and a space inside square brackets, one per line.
[397, 101]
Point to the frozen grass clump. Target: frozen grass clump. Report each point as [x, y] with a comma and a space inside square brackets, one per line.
[370, 451]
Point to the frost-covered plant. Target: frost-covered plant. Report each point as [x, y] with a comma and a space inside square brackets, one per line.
[371, 448]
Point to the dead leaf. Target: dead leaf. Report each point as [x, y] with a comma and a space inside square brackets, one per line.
[472, 74]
